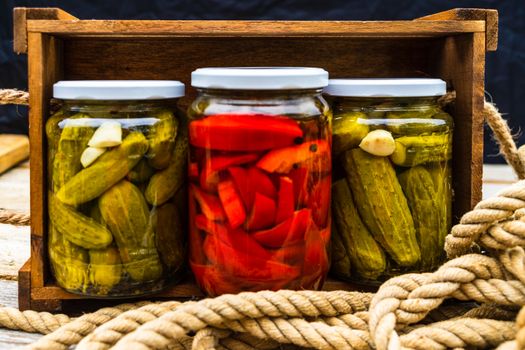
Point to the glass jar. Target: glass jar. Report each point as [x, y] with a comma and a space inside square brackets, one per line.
[260, 176]
[117, 154]
[392, 145]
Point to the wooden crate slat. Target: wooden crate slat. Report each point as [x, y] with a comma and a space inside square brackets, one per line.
[223, 28]
[489, 16]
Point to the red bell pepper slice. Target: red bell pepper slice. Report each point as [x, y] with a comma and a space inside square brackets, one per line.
[209, 204]
[212, 280]
[287, 233]
[195, 239]
[232, 203]
[209, 178]
[291, 255]
[300, 177]
[247, 192]
[243, 265]
[282, 160]
[244, 132]
[193, 170]
[316, 261]
[319, 201]
[261, 183]
[262, 214]
[286, 199]
[235, 238]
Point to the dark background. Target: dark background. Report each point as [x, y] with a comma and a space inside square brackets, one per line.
[505, 78]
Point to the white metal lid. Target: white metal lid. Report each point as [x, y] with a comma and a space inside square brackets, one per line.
[412, 87]
[259, 78]
[113, 90]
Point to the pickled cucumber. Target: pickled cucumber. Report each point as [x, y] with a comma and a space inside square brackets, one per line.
[340, 260]
[441, 174]
[165, 183]
[367, 257]
[126, 213]
[107, 170]
[416, 150]
[420, 192]
[141, 172]
[348, 131]
[169, 235]
[69, 262]
[76, 227]
[105, 269]
[382, 205]
[161, 138]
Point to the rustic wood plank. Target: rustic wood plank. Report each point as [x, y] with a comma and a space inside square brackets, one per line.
[13, 150]
[14, 243]
[45, 68]
[235, 28]
[14, 189]
[12, 339]
[20, 17]
[101, 58]
[460, 60]
[488, 15]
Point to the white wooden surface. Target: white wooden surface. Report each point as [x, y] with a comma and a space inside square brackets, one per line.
[14, 241]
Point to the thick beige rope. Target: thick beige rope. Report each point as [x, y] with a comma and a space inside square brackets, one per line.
[13, 96]
[407, 299]
[503, 136]
[31, 321]
[71, 333]
[14, 218]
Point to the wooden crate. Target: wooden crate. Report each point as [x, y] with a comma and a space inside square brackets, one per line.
[450, 45]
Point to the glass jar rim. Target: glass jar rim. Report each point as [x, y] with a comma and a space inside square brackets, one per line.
[391, 87]
[118, 90]
[259, 78]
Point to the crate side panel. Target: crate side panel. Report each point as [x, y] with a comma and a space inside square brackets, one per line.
[44, 68]
[460, 60]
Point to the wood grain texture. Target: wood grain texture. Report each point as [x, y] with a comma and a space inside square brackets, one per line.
[461, 62]
[13, 150]
[107, 58]
[235, 28]
[488, 15]
[14, 189]
[20, 17]
[14, 241]
[45, 67]
[12, 339]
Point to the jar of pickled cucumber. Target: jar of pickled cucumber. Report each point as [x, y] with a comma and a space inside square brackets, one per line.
[117, 155]
[391, 194]
[260, 177]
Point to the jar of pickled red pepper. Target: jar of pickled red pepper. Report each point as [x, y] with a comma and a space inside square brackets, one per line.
[117, 154]
[391, 195]
[260, 177]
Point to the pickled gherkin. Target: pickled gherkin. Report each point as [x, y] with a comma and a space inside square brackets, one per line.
[421, 195]
[348, 131]
[165, 183]
[340, 264]
[441, 174]
[126, 213]
[161, 137]
[108, 169]
[105, 269]
[367, 257]
[168, 227]
[416, 150]
[101, 238]
[382, 205]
